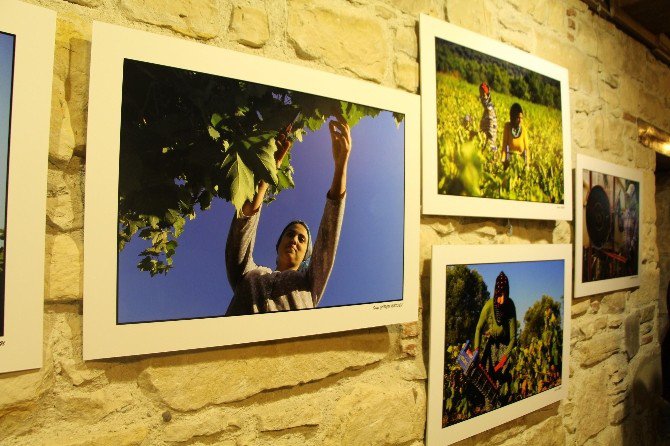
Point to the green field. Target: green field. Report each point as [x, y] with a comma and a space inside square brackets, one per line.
[466, 167]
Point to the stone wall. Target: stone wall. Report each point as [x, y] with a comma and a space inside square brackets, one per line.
[358, 388]
[663, 237]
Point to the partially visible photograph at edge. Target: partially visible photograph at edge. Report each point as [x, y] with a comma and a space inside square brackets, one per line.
[7, 44]
[499, 128]
[237, 198]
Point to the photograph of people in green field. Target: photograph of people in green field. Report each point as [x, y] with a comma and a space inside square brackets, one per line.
[499, 128]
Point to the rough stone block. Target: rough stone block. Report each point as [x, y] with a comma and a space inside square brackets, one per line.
[591, 409]
[556, 17]
[459, 12]
[579, 308]
[629, 97]
[361, 46]
[593, 325]
[600, 347]
[648, 291]
[406, 72]
[257, 368]
[582, 130]
[416, 7]
[647, 313]
[580, 70]
[406, 41]
[21, 389]
[65, 200]
[202, 424]
[379, 414]
[517, 31]
[586, 38]
[61, 138]
[117, 436]
[614, 303]
[249, 26]
[63, 266]
[193, 18]
[410, 330]
[632, 334]
[554, 49]
[89, 3]
[92, 407]
[562, 233]
[293, 412]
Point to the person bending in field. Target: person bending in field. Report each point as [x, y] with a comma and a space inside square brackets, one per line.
[489, 122]
[515, 139]
[301, 273]
[497, 329]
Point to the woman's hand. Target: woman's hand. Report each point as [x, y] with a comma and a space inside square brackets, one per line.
[283, 144]
[340, 136]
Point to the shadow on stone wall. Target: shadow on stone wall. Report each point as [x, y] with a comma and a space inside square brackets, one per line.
[646, 412]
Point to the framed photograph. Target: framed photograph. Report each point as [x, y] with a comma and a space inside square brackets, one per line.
[607, 226]
[495, 128]
[234, 199]
[499, 336]
[27, 36]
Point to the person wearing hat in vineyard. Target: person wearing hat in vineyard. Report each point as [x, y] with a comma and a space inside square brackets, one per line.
[489, 122]
[302, 270]
[515, 139]
[496, 329]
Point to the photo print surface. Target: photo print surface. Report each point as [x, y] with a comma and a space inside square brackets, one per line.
[182, 178]
[498, 120]
[27, 35]
[608, 235]
[501, 349]
[250, 199]
[6, 77]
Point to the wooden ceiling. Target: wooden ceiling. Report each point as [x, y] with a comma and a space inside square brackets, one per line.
[646, 20]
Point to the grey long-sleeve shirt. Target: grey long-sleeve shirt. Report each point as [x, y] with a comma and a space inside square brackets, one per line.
[259, 289]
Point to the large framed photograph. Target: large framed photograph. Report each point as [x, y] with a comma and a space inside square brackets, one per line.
[499, 336]
[607, 226]
[27, 36]
[495, 128]
[233, 199]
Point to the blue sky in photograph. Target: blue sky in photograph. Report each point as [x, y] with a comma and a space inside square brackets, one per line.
[528, 281]
[6, 72]
[369, 262]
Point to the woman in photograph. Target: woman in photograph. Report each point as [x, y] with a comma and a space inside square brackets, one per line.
[302, 271]
[497, 328]
[515, 139]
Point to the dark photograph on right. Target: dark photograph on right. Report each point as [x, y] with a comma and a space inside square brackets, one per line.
[608, 227]
[611, 223]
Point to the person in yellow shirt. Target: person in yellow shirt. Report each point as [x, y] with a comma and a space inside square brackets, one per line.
[515, 138]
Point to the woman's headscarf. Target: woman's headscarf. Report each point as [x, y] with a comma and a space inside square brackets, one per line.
[308, 253]
[502, 287]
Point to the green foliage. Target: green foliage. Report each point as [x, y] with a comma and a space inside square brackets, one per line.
[533, 367]
[466, 294]
[503, 77]
[534, 319]
[188, 138]
[466, 166]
